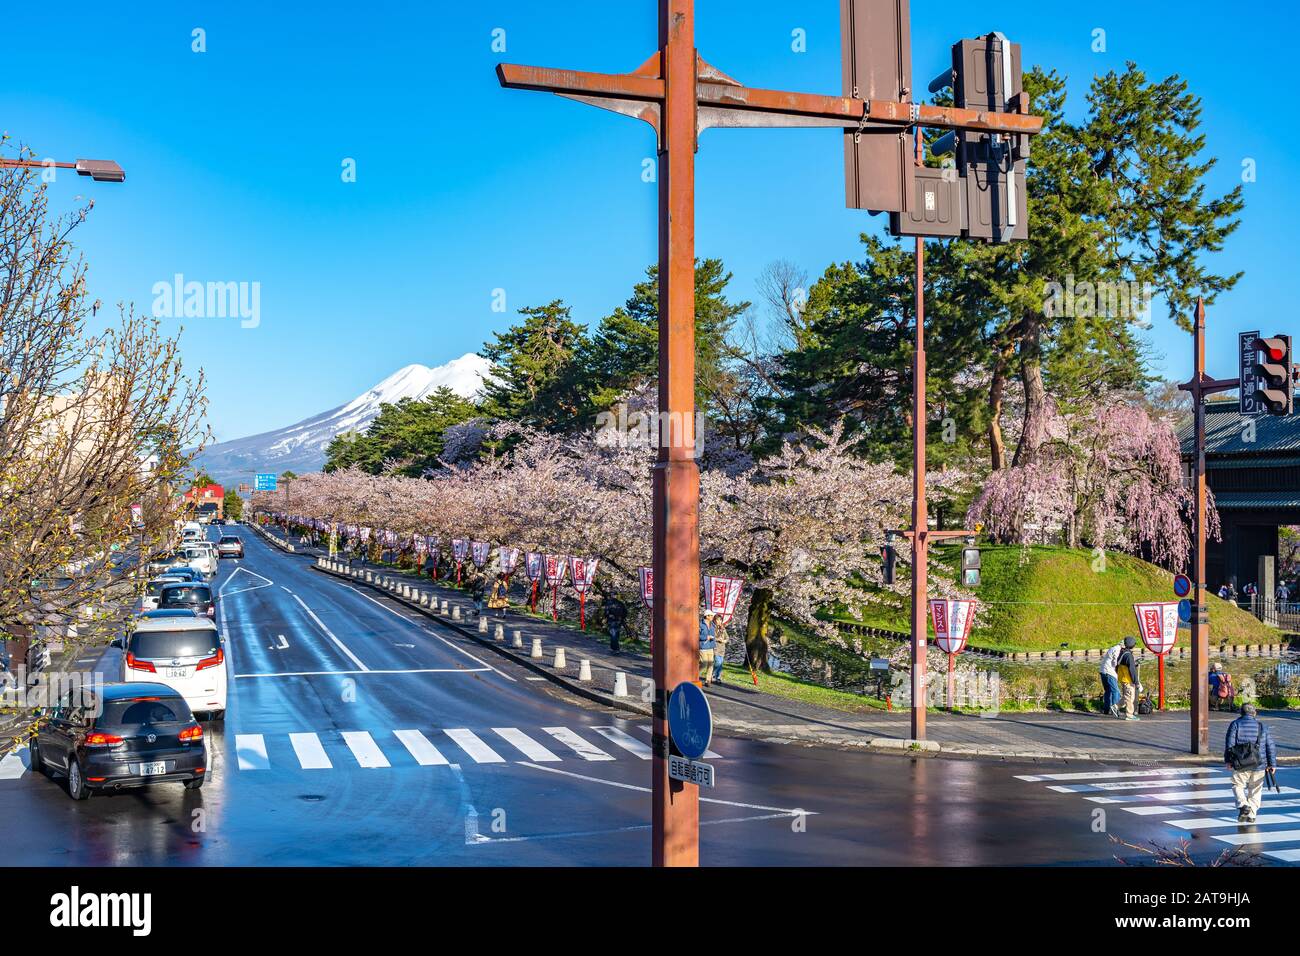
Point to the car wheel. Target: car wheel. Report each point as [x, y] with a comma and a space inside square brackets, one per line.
[76, 783]
[194, 784]
[34, 757]
[216, 715]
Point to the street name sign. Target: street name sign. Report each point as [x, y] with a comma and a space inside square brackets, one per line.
[264, 482]
[1248, 403]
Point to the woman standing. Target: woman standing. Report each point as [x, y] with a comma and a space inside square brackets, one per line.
[708, 635]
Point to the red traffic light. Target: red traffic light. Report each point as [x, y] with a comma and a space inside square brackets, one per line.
[1274, 348]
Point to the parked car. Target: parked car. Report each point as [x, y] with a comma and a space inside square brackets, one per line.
[182, 571]
[230, 546]
[188, 594]
[121, 735]
[185, 654]
[160, 563]
[153, 588]
[192, 530]
[201, 557]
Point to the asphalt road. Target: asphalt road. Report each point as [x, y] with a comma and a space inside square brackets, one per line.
[360, 733]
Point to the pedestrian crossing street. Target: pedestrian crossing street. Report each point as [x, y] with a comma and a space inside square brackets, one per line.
[1190, 800]
[438, 748]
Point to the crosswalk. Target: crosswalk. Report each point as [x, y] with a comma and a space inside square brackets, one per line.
[378, 750]
[1190, 801]
[439, 748]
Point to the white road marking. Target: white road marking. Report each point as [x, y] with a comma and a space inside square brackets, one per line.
[377, 673]
[526, 745]
[282, 645]
[328, 633]
[627, 829]
[310, 751]
[1286, 856]
[1114, 774]
[1206, 823]
[365, 749]
[1206, 781]
[1267, 836]
[1176, 796]
[432, 633]
[266, 582]
[624, 740]
[14, 765]
[575, 743]
[473, 745]
[425, 753]
[251, 751]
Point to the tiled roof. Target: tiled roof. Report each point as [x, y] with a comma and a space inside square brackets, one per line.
[1225, 434]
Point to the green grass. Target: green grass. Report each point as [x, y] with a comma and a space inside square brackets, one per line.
[783, 685]
[1042, 598]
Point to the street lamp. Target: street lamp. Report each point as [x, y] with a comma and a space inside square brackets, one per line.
[100, 170]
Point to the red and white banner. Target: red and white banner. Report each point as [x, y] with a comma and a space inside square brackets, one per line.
[421, 545]
[555, 565]
[480, 552]
[583, 572]
[952, 622]
[365, 534]
[508, 558]
[535, 565]
[721, 595]
[1157, 625]
[647, 586]
[459, 549]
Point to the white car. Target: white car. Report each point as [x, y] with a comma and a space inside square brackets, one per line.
[149, 600]
[184, 653]
[192, 531]
[202, 557]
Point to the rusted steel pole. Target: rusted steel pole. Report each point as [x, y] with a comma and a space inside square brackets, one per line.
[675, 812]
[1200, 616]
[920, 517]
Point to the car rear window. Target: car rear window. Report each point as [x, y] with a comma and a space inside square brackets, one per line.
[177, 594]
[152, 645]
[155, 587]
[229, 539]
[144, 712]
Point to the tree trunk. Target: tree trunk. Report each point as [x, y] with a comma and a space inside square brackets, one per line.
[997, 445]
[1031, 376]
[757, 627]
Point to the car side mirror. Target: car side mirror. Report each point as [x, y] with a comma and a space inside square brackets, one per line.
[119, 643]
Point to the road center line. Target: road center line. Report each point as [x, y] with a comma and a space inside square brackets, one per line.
[377, 673]
[330, 634]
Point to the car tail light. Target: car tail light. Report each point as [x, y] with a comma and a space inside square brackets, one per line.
[134, 663]
[213, 661]
[212, 611]
[98, 738]
[191, 734]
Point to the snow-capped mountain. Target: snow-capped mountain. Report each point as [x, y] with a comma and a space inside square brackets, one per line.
[301, 447]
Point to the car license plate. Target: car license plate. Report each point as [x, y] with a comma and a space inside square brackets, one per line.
[153, 769]
[176, 672]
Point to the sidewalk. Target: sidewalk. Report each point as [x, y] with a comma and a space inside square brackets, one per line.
[741, 709]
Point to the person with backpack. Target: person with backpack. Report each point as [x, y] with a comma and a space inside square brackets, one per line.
[615, 616]
[1130, 685]
[1110, 680]
[1221, 689]
[1251, 755]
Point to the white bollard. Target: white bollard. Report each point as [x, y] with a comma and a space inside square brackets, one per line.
[584, 670]
[620, 684]
[516, 639]
[559, 659]
[455, 613]
[482, 625]
[369, 577]
[537, 648]
[444, 606]
[500, 634]
[320, 562]
[424, 599]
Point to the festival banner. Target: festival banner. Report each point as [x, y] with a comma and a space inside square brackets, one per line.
[721, 595]
[480, 551]
[1158, 628]
[583, 572]
[952, 623]
[555, 565]
[508, 559]
[535, 566]
[459, 551]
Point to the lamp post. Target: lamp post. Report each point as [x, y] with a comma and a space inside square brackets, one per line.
[99, 170]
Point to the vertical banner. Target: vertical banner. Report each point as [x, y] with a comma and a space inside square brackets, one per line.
[508, 559]
[1158, 628]
[721, 595]
[459, 551]
[648, 598]
[555, 565]
[952, 622]
[480, 551]
[534, 565]
[435, 554]
[583, 572]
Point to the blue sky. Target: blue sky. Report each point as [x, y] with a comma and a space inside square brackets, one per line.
[234, 156]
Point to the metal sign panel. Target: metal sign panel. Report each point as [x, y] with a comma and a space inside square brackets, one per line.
[689, 771]
[264, 482]
[938, 208]
[1248, 404]
[876, 56]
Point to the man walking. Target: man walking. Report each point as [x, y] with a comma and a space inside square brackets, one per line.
[1250, 754]
[1110, 680]
[1127, 668]
[615, 615]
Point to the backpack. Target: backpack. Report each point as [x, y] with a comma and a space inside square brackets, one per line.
[1225, 688]
[1244, 756]
[1145, 706]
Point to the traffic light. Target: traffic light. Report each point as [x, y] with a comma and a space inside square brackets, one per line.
[1273, 388]
[984, 182]
[970, 565]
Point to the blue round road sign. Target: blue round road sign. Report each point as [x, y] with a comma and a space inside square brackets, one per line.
[1185, 611]
[690, 721]
[1182, 585]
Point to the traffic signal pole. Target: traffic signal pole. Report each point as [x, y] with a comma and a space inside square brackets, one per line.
[920, 511]
[1200, 387]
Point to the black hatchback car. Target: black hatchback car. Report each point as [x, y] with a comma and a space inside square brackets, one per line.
[122, 735]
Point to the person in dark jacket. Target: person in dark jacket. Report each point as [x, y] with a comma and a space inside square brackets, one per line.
[615, 616]
[477, 590]
[1248, 776]
[707, 645]
[1129, 683]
